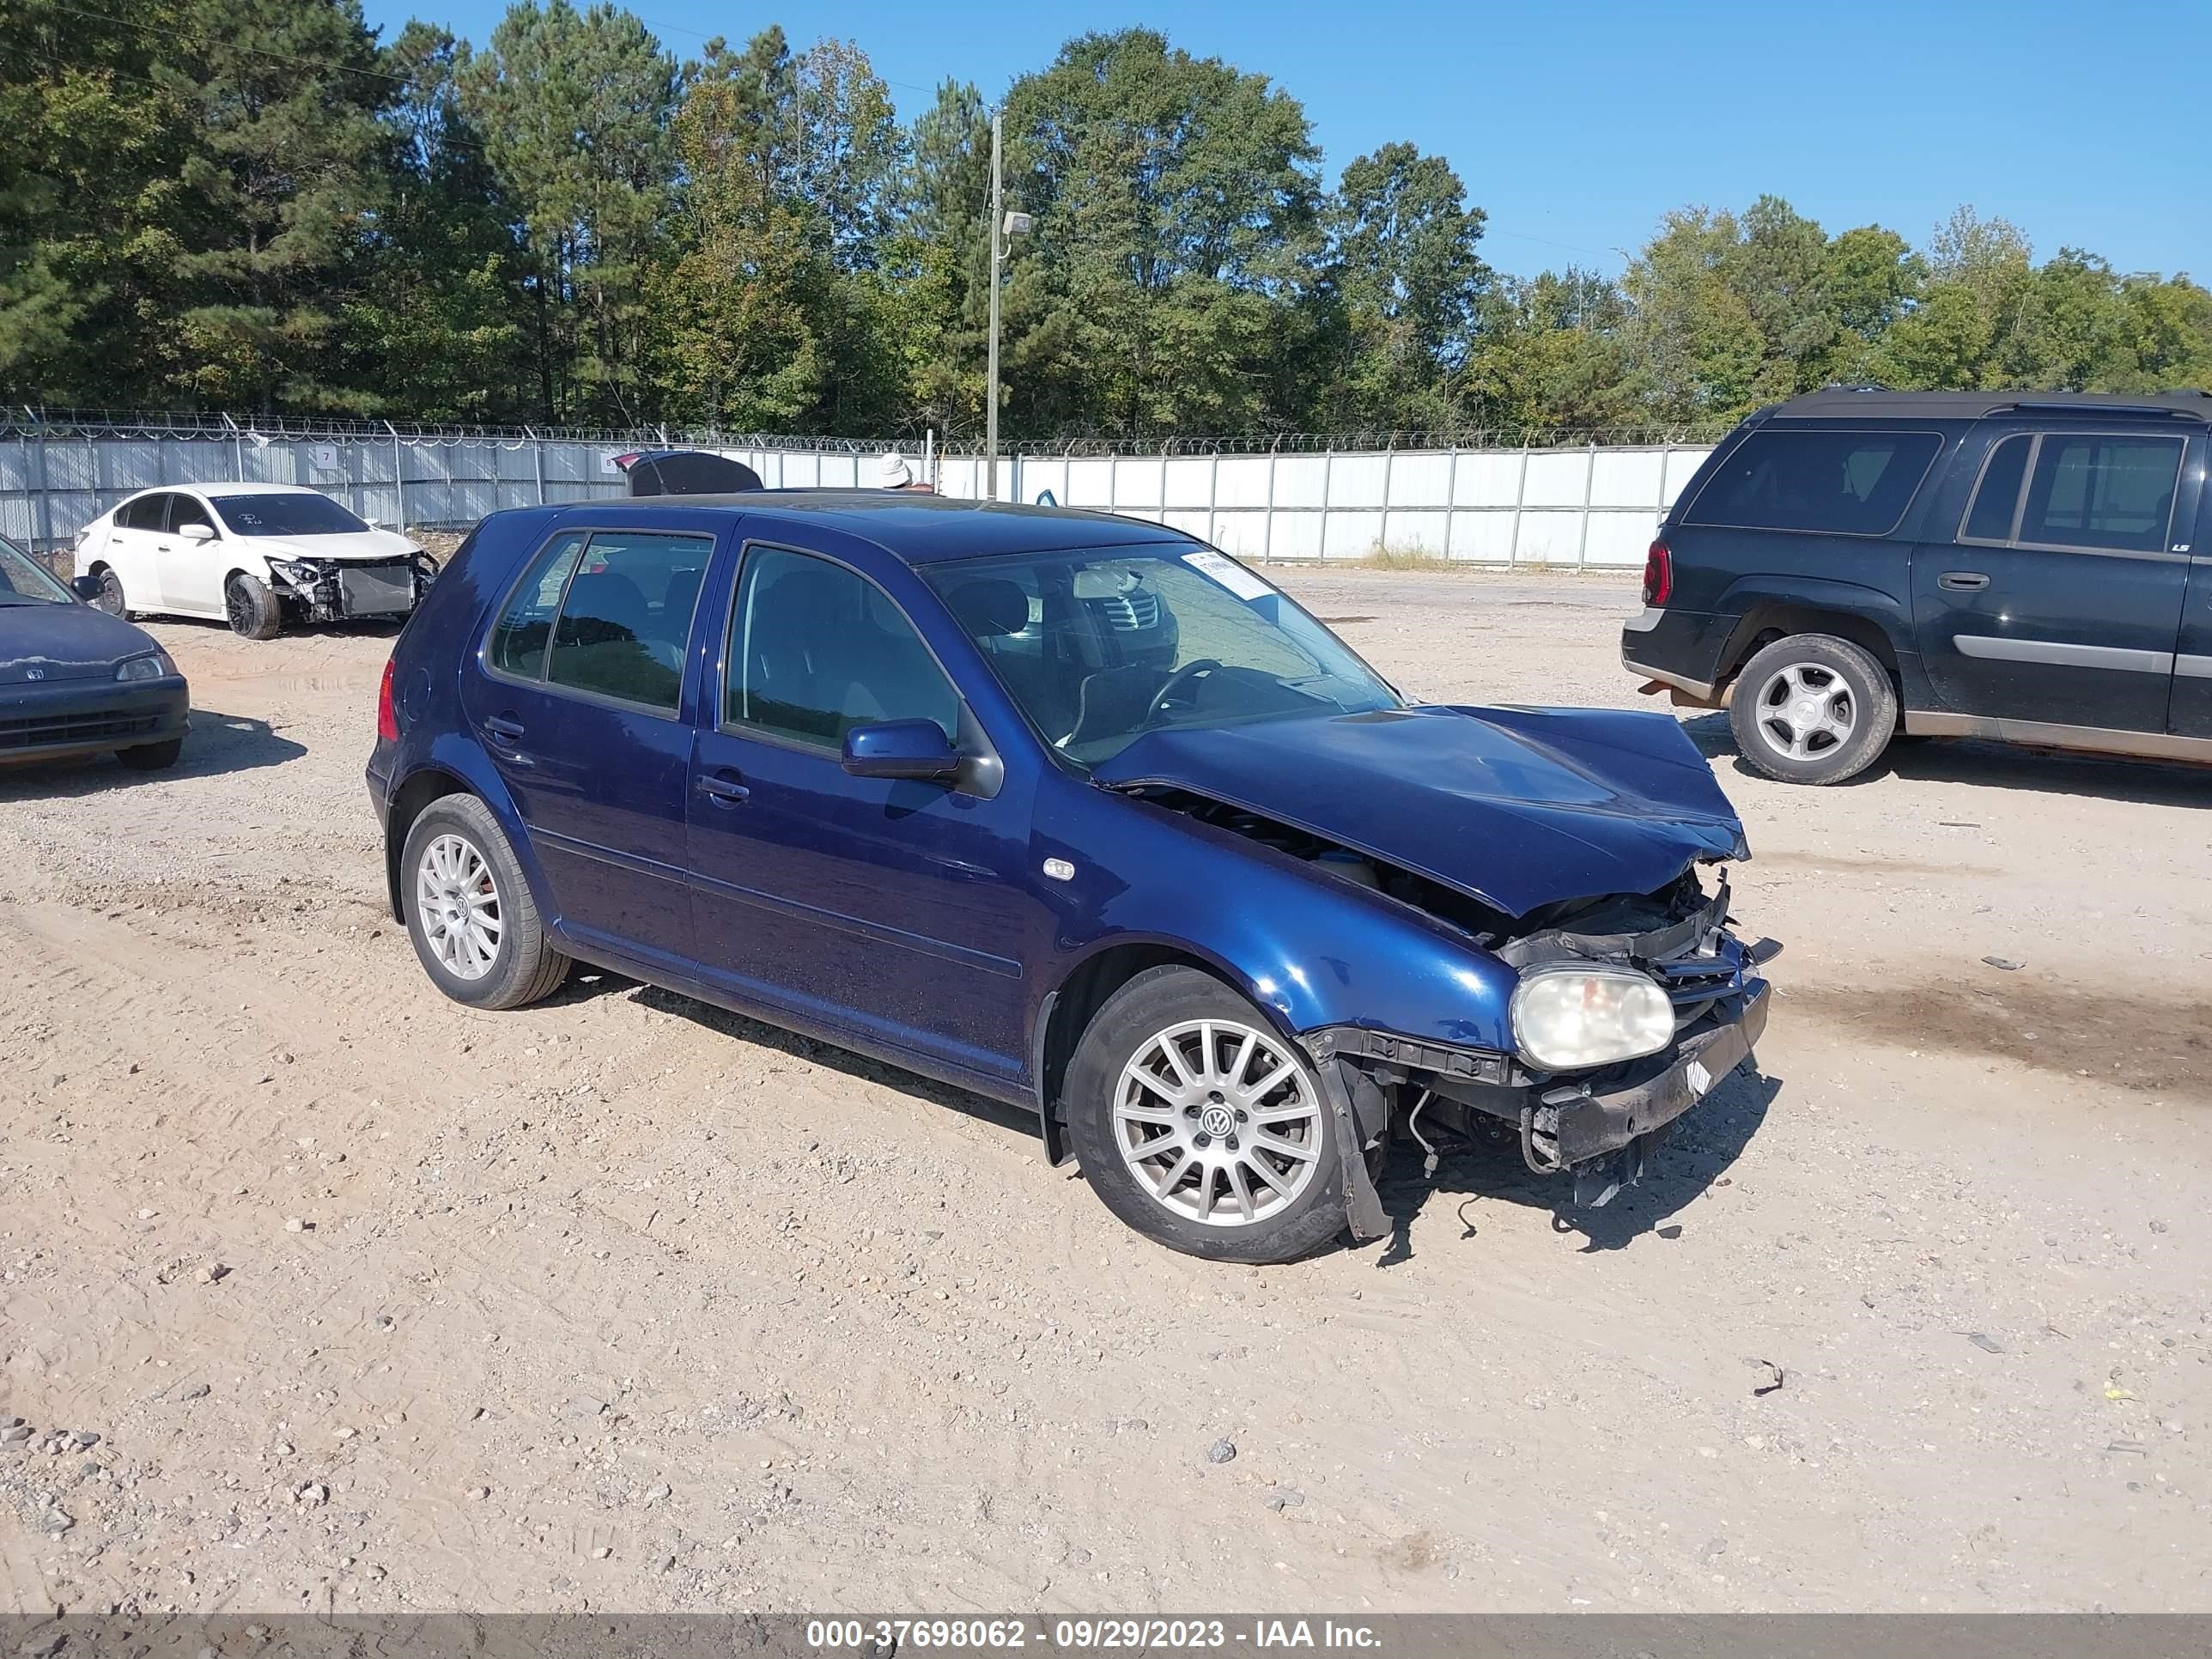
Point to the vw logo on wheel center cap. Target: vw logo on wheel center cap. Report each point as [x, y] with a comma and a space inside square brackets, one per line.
[1216, 1121]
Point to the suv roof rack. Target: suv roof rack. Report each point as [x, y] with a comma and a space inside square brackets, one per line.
[2053, 406]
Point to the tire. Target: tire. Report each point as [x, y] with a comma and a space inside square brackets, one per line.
[111, 594]
[1812, 708]
[152, 756]
[1206, 1133]
[255, 613]
[467, 853]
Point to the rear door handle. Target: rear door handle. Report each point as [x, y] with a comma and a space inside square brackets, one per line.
[498, 726]
[722, 789]
[1962, 581]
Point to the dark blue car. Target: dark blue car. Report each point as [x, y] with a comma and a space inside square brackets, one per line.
[1073, 812]
[75, 681]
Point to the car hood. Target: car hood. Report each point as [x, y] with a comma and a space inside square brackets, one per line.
[357, 548]
[1515, 807]
[64, 642]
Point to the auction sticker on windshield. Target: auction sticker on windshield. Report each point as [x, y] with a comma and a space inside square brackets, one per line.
[1230, 574]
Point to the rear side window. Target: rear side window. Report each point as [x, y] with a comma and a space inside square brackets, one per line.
[1849, 483]
[147, 513]
[2106, 492]
[627, 616]
[1989, 518]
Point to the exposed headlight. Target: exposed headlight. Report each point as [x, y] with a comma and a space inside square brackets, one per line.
[299, 574]
[1567, 1018]
[155, 667]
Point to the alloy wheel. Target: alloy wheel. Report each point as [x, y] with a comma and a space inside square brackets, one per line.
[1217, 1123]
[457, 902]
[1805, 709]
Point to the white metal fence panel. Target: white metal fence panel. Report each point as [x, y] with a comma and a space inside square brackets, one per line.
[1589, 506]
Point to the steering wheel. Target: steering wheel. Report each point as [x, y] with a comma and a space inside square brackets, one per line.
[1175, 682]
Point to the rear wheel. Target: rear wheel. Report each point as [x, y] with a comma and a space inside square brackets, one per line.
[253, 611]
[1812, 708]
[1201, 1125]
[152, 756]
[111, 594]
[469, 912]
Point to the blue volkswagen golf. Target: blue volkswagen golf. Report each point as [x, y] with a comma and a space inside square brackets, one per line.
[1076, 812]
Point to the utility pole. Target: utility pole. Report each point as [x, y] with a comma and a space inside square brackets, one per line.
[991, 409]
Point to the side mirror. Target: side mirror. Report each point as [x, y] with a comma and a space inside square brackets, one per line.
[900, 749]
[86, 589]
[197, 533]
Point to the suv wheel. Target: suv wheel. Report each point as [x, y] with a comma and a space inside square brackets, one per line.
[1201, 1125]
[469, 910]
[1812, 708]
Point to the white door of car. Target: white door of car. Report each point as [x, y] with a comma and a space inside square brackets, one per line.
[191, 571]
[138, 526]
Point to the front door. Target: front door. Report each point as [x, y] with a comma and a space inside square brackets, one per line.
[580, 702]
[2058, 599]
[191, 572]
[892, 910]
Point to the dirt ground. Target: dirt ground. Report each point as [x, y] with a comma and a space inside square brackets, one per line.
[620, 1302]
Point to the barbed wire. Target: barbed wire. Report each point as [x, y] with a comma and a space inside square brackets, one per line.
[22, 422]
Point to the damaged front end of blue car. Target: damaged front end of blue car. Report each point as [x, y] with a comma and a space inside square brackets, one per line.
[1507, 919]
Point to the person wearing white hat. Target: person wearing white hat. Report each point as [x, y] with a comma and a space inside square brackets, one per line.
[892, 472]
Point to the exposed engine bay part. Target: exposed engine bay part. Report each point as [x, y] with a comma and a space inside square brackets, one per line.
[330, 590]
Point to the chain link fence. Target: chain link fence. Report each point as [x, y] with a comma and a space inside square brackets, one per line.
[1486, 498]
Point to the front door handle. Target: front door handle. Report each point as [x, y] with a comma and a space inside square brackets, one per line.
[1962, 581]
[722, 788]
[499, 728]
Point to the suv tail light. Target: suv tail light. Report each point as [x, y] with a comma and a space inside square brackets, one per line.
[1658, 575]
[387, 717]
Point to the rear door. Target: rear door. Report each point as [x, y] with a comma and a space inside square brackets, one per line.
[2055, 598]
[140, 525]
[2191, 713]
[578, 697]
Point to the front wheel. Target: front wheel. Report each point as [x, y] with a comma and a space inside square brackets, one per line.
[1812, 708]
[469, 912]
[1201, 1125]
[254, 613]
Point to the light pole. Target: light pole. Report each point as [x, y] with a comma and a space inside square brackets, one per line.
[1003, 225]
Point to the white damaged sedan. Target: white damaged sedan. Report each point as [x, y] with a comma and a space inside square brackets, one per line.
[256, 556]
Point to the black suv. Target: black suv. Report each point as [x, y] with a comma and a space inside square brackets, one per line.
[2034, 567]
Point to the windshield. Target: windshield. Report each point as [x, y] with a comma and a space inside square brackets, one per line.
[23, 580]
[286, 515]
[1100, 648]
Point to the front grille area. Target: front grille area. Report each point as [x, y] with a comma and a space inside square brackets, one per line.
[1133, 612]
[376, 590]
[93, 726]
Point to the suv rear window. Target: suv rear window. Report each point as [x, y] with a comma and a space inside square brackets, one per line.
[2111, 493]
[1849, 483]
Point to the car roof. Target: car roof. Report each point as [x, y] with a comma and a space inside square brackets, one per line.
[231, 486]
[917, 528]
[1835, 402]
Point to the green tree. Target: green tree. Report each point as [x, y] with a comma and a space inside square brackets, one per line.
[1403, 268]
[277, 194]
[591, 212]
[1176, 206]
[1553, 359]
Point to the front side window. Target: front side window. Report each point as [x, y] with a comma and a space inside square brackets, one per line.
[816, 649]
[607, 612]
[283, 514]
[2106, 492]
[1849, 483]
[1099, 648]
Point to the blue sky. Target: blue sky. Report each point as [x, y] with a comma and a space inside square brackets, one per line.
[1576, 126]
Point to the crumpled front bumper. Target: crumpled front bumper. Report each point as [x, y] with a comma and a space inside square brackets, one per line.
[1576, 1124]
